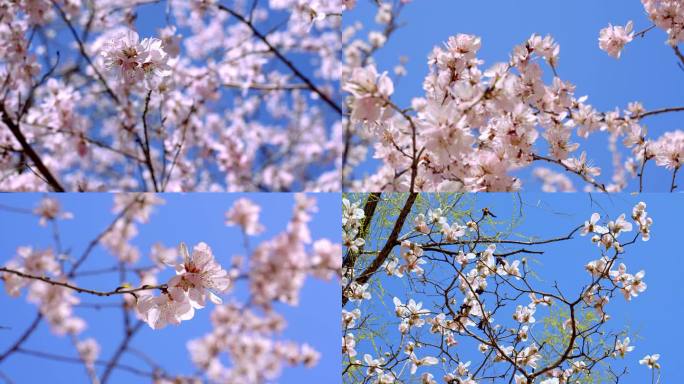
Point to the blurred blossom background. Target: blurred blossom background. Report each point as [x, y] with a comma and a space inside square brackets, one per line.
[190, 218]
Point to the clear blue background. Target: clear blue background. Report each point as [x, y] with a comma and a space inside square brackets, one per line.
[189, 218]
[646, 72]
[652, 319]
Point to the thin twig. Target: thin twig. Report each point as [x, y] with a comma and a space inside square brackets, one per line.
[146, 146]
[85, 55]
[30, 152]
[24, 336]
[118, 291]
[679, 55]
[673, 184]
[120, 350]
[75, 360]
[660, 111]
[99, 237]
[282, 58]
[584, 177]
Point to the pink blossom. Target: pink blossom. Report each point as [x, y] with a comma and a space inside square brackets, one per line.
[134, 61]
[50, 209]
[614, 38]
[199, 275]
[370, 92]
[89, 350]
[170, 307]
[245, 214]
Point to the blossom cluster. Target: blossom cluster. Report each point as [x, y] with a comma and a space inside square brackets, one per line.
[631, 285]
[477, 127]
[54, 302]
[132, 208]
[249, 340]
[134, 61]
[280, 266]
[613, 38]
[197, 278]
[668, 15]
[353, 241]
[211, 100]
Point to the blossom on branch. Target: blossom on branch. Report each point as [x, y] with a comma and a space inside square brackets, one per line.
[614, 38]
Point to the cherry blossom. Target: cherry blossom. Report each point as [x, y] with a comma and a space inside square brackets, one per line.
[478, 126]
[425, 361]
[350, 212]
[614, 38]
[524, 314]
[326, 259]
[348, 344]
[133, 60]
[170, 307]
[245, 214]
[199, 274]
[370, 90]
[212, 99]
[56, 304]
[591, 227]
[49, 209]
[13, 283]
[667, 14]
[89, 350]
[372, 364]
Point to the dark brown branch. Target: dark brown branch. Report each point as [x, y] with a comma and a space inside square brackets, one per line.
[660, 111]
[24, 336]
[146, 145]
[489, 240]
[584, 177]
[120, 350]
[673, 184]
[679, 54]
[82, 49]
[51, 281]
[30, 152]
[389, 244]
[76, 360]
[368, 211]
[282, 58]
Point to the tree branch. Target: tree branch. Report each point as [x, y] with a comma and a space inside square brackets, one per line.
[118, 291]
[120, 350]
[368, 211]
[389, 244]
[85, 55]
[282, 58]
[30, 152]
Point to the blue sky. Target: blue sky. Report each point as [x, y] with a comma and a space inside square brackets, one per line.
[652, 318]
[189, 218]
[646, 72]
